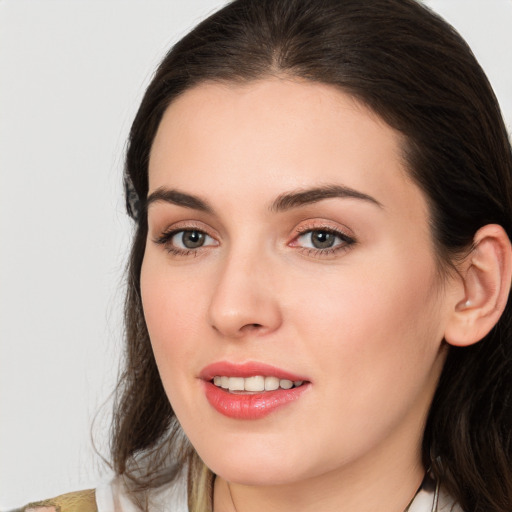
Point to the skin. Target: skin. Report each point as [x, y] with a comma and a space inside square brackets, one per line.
[364, 321]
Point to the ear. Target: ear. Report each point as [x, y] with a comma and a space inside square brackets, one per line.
[486, 274]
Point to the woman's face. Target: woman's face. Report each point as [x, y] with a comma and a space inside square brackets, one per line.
[287, 243]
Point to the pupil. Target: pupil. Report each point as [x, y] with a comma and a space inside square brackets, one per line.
[193, 239]
[322, 239]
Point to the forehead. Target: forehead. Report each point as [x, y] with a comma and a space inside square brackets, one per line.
[270, 111]
[279, 132]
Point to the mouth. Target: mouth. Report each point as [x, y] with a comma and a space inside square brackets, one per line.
[250, 391]
[254, 384]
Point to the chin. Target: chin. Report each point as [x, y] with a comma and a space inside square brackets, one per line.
[256, 476]
[255, 467]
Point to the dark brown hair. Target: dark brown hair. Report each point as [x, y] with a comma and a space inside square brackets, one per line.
[412, 69]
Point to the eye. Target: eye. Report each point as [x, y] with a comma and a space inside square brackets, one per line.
[190, 239]
[322, 241]
[319, 239]
[182, 242]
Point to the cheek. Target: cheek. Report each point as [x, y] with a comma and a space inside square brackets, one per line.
[170, 310]
[388, 295]
[373, 345]
[377, 331]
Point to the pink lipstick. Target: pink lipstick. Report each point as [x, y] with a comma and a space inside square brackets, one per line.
[250, 390]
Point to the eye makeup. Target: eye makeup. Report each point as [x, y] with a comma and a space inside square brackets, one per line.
[322, 238]
[315, 239]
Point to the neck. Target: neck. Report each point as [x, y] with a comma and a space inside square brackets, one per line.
[390, 490]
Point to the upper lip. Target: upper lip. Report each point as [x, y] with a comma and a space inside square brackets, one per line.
[247, 369]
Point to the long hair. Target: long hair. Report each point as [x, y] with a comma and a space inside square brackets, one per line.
[414, 71]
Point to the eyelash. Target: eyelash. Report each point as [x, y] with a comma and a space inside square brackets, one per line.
[347, 241]
[166, 237]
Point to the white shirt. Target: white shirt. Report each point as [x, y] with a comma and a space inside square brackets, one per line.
[112, 497]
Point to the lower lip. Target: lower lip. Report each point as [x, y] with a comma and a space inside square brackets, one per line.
[250, 406]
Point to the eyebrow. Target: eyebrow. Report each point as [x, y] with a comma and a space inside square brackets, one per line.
[284, 202]
[300, 198]
[178, 198]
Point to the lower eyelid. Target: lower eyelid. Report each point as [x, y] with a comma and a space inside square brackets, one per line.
[331, 252]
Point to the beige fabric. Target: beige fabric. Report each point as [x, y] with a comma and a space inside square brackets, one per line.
[80, 501]
[113, 497]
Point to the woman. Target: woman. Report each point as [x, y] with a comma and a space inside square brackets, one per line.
[317, 312]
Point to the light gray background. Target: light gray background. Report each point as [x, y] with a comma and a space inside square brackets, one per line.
[71, 76]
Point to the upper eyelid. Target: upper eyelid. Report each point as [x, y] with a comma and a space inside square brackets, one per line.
[185, 225]
[325, 225]
[302, 230]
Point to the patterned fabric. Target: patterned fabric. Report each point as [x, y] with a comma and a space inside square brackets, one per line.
[80, 501]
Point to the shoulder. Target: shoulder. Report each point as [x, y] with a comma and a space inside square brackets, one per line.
[80, 501]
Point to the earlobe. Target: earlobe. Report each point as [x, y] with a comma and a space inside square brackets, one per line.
[486, 275]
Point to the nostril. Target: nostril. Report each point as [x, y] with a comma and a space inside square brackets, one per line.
[252, 327]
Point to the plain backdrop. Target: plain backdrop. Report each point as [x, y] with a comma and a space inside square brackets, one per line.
[71, 76]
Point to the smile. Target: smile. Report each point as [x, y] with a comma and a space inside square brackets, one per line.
[251, 390]
[255, 384]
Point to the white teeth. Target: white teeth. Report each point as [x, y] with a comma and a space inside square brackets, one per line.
[236, 383]
[271, 383]
[257, 383]
[285, 384]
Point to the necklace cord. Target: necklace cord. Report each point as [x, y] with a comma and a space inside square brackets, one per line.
[231, 496]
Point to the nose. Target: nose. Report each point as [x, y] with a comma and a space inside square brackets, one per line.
[244, 300]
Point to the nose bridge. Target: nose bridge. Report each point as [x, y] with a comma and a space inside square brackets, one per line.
[244, 299]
